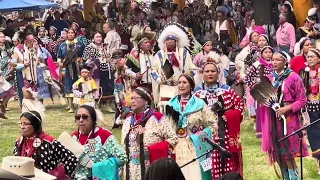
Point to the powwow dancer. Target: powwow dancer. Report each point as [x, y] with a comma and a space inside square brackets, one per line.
[172, 60]
[69, 56]
[140, 60]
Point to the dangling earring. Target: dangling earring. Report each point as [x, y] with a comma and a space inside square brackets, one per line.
[146, 106]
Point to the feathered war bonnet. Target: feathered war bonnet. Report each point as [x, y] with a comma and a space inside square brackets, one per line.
[174, 31]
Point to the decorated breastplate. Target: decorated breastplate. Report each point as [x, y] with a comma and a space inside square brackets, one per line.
[189, 130]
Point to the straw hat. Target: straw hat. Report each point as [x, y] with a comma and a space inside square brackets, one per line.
[21, 168]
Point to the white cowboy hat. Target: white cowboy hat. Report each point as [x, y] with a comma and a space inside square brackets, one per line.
[21, 168]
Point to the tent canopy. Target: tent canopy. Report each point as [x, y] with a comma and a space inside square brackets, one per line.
[16, 5]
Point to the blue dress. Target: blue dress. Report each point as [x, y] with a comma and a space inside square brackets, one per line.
[43, 86]
[71, 75]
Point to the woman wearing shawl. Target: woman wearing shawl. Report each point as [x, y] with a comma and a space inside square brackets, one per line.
[229, 118]
[200, 59]
[69, 55]
[262, 67]
[313, 106]
[193, 120]
[100, 146]
[43, 35]
[49, 155]
[292, 97]
[43, 87]
[54, 42]
[146, 135]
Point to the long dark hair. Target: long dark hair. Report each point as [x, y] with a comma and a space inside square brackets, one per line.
[36, 122]
[164, 169]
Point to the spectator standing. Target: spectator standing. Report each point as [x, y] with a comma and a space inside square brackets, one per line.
[285, 35]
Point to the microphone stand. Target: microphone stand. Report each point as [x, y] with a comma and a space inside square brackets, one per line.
[299, 133]
[194, 159]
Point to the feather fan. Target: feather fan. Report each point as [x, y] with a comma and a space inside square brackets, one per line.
[264, 93]
[167, 69]
[71, 56]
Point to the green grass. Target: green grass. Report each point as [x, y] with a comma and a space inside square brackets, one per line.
[58, 120]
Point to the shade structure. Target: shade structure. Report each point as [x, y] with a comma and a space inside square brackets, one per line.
[42, 4]
[16, 5]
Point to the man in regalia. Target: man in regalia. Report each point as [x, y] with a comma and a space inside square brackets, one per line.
[172, 60]
[140, 60]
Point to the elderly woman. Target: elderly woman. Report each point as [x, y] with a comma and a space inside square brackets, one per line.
[193, 120]
[100, 146]
[313, 105]
[49, 155]
[292, 97]
[146, 135]
[229, 118]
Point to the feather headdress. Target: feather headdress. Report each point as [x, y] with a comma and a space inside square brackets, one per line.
[177, 31]
[264, 93]
[214, 56]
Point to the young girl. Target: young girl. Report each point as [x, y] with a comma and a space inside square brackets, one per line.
[84, 88]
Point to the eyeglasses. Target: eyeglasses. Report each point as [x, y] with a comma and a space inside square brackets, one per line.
[83, 116]
[135, 98]
[24, 124]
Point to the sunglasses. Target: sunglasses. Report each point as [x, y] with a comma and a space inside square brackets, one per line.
[83, 116]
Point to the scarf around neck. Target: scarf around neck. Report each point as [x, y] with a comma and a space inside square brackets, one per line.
[265, 63]
[194, 104]
[279, 78]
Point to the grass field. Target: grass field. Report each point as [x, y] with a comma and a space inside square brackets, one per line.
[58, 120]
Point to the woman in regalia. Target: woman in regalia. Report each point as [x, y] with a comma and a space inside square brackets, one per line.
[292, 98]
[54, 41]
[100, 145]
[50, 155]
[43, 35]
[43, 87]
[192, 120]
[69, 56]
[313, 105]
[6, 75]
[146, 135]
[262, 67]
[301, 49]
[95, 55]
[201, 58]
[230, 108]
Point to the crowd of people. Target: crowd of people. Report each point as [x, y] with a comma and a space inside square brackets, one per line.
[178, 82]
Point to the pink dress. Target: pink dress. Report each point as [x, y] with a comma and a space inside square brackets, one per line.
[294, 95]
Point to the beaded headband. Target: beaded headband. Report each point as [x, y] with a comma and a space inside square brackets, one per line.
[145, 92]
[28, 112]
[316, 51]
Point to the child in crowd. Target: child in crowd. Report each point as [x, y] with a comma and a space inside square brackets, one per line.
[84, 88]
